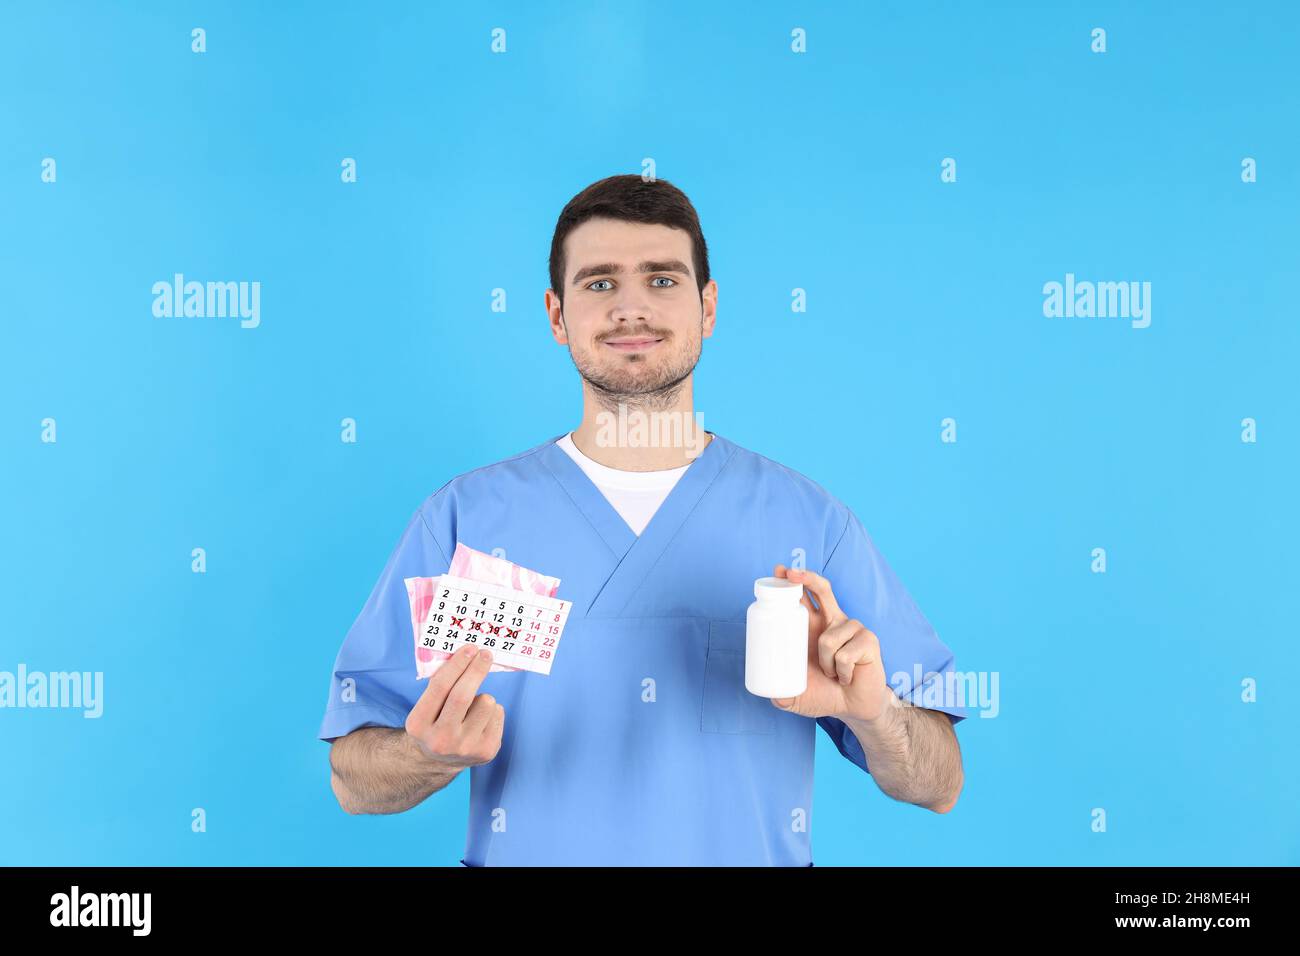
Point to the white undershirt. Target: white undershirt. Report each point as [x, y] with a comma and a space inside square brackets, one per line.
[635, 495]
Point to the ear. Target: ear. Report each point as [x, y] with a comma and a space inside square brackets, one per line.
[555, 313]
[709, 307]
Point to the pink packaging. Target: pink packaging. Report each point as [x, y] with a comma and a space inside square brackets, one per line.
[476, 566]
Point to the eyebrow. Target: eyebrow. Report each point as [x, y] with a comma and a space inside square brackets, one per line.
[613, 268]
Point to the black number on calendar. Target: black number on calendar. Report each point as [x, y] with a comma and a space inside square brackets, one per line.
[445, 592]
[489, 642]
[507, 645]
[448, 645]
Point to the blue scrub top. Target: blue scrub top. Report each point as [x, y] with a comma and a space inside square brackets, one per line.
[642, 746]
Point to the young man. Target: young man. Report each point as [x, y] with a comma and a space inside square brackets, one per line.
[642, 746]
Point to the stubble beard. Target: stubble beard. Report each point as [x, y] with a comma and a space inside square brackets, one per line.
[620, 387]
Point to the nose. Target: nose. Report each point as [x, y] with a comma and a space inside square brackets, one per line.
[630, 307]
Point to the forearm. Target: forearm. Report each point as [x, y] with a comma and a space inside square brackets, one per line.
[384, 770]
[912, 754]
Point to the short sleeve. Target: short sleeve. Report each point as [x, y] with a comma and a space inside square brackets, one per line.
[374, 681]
[915, 660]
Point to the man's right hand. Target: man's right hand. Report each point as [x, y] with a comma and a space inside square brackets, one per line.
[452, 726]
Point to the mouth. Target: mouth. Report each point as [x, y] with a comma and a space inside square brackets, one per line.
[640, 343]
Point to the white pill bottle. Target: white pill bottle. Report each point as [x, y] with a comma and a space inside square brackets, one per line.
[776, 640]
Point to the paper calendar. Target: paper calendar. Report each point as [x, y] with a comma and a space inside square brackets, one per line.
[520, 629]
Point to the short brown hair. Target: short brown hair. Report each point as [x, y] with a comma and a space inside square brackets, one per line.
[633, 199]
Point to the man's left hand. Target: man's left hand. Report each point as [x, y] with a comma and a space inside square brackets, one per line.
[846, 676]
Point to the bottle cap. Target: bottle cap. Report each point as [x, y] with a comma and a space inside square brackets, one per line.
[778, 589]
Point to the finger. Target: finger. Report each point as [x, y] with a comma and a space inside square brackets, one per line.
[862, 648]
[496, 724]
[426, 709]
[815, 624]
[488, 743]
[830, 642]
[821, 590]
[462, 692]
[481, 711]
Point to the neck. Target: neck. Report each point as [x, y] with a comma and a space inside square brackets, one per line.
[646, 432]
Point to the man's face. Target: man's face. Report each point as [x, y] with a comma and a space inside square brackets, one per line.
[633, 316]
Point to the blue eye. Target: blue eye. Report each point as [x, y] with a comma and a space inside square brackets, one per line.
[597, 282]
[669, 278]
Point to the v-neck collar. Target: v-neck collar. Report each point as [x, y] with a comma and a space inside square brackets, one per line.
[634, 555]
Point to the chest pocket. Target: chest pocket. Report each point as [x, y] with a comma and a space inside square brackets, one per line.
[728, 708]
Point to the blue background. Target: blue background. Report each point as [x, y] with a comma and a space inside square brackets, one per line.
[817, 171]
